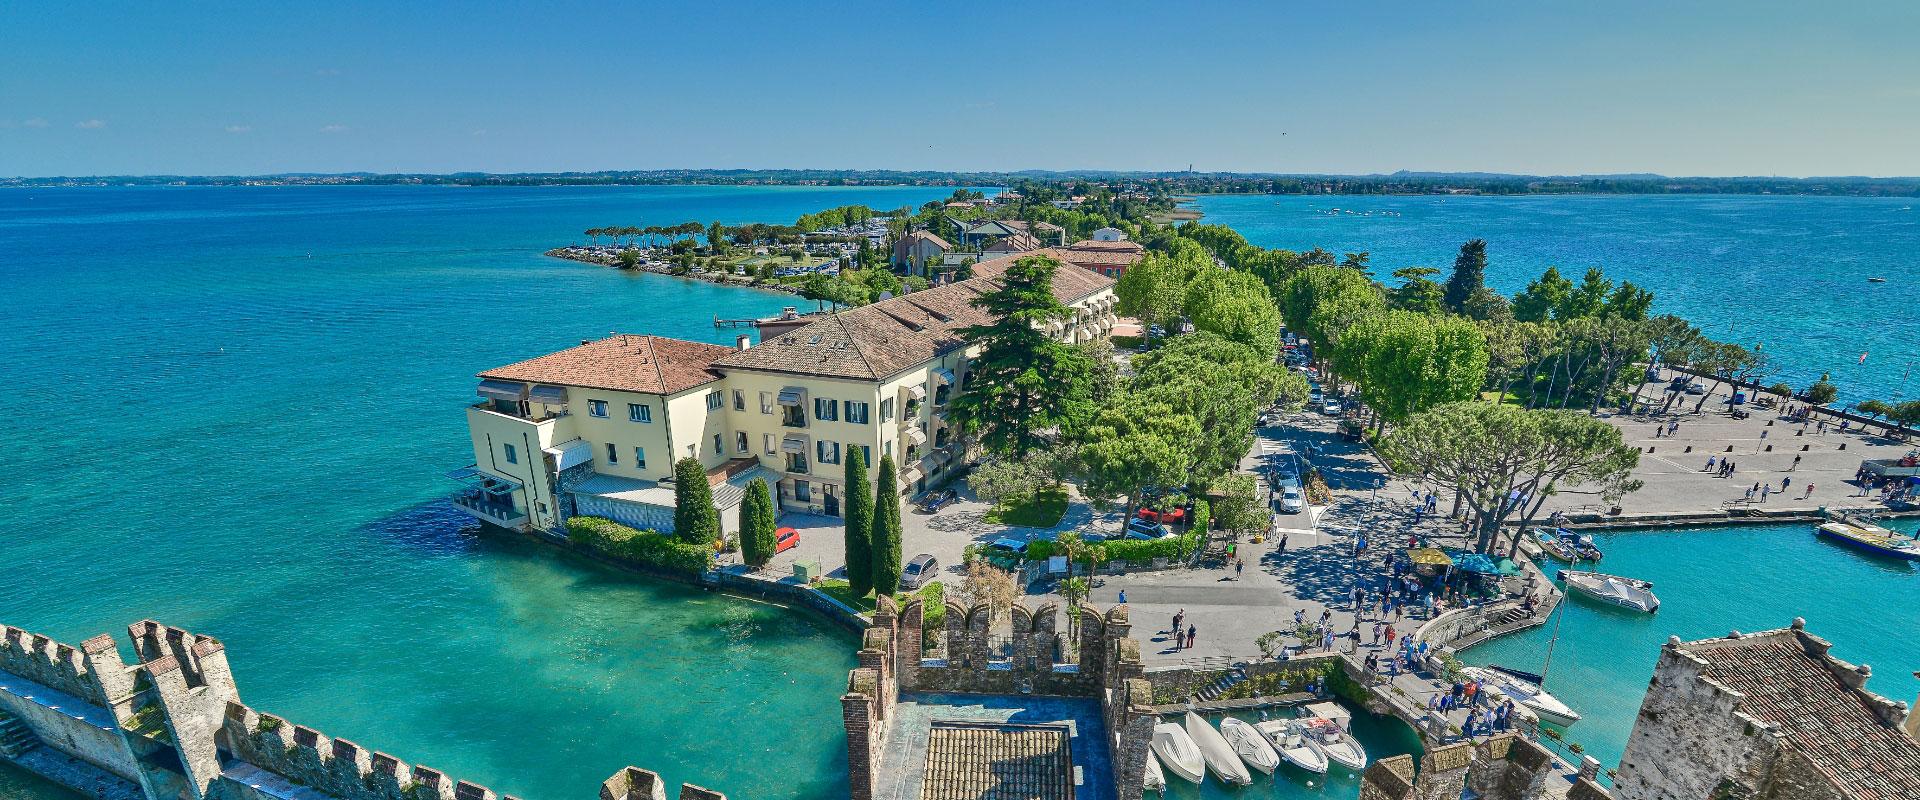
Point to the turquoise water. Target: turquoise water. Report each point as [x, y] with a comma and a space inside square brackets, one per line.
[237, 408]
[1380, 736]
[1712, 581]
[1786, 272]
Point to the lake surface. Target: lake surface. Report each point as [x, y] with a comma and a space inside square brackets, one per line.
[1789, 273]
[1380, 736]
[1712, 581]
[239, 407]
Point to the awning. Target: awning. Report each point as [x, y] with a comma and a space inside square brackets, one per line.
[917, 392]
[1429, 557]
[551, 395]
[1475, 563]
[509, 391]
[791, 396]
[917, 436]
[794, 443]
[571, 454]
[909, 475]
[945, 375]
[941, 456]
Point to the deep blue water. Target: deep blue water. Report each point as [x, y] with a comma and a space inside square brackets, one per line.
[237, 406]
[1789, 273]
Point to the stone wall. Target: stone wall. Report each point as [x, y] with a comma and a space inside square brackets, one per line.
[1504, 767]
[73, 699]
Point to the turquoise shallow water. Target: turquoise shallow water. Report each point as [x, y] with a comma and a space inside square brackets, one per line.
[1380, 736]
[239, 405]
[1786, 272]
[1712, 581]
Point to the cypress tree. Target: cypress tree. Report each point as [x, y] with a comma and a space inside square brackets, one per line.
[859, 492]
[1469, 274]
[695, 520]
[886, 529]
[756, 525]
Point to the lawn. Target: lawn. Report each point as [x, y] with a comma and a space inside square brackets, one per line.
[1043, 510]
[839, 590]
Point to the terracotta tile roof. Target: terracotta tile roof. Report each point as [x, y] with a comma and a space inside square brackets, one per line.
[1017, 243]
[1122, 246]
[928, 236]
[622, 362]
[1825, 720]
[978, 761]
[875, 341]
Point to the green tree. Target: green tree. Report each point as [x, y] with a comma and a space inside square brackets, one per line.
[1822, 391]
[1487, 305]
[1319, 302]
[859, 528]
[1589, 299]
[1494, 453]
[1542, 297]
[1405, 362]
[717, 238]
[1223, 385]
[1237, 307]
[1240, 508]
[695, 520]
[996, 479]
[1025, 383]
[1417, 291]
[757, 525]
[1151, 291]
[885, 554]
[1905, 415]
[1874, 409]
[628, 259]
[1469, 274]
[1629, 302]
[1137, 446]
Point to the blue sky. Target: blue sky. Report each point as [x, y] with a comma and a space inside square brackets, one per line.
[1689, 88]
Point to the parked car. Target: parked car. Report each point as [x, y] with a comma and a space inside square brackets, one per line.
[1696, 387]
[1331, 408]
[1006, 546]
[785, 539]
[1144, 529]
[936, 500]
[1282, 480]
[918, 571]
[1291, 501]
[1170, 517]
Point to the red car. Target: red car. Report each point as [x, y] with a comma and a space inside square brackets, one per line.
[1169, 517]
[784, 539]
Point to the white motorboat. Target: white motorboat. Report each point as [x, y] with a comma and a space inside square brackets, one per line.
[1250, 744]
[1156, 779]
[1333, 743]
[1525, 693]
[1220, 756]
[1613, 589]
[1178, 753]
[1289, 737]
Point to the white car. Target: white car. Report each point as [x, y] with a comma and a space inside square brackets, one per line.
[1331, 408]
[1291, 501]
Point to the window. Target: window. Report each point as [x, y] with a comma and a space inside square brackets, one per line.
[803, 491]
[638, 412]
[639, 457]
[866, 453]
[886, 410]
[887, 447]
[714, 401]
[513, 456]
[940, 437]
[740, 441]
[718, 447]
[856, 412]
[793, 416]
[613, 456]
[597, 408]
[825, 409]
[739, 400]
[796, 462]
[940, 395]
[829, 452]
[766, 402]
[772, 447]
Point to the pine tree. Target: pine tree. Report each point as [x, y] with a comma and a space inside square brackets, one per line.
[1469, 274]
[1024, 383]
[859, 492]
[886, 529]
[695, 520]
[756, 525]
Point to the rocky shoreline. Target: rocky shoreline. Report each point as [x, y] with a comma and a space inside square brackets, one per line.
[724, 279]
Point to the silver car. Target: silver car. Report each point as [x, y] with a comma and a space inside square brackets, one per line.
[918, 571]
[1291, 501]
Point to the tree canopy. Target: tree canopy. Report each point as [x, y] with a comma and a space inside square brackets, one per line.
[1025, 384]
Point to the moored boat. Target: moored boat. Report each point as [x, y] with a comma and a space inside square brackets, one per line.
[1289, 738]
[1871, 538]
[1613, 589]
[1156, 779]
[1525, 693]
[1219, 755]
[1250, 745]
[1178, 753]
[1325, 736]
[1556, 547]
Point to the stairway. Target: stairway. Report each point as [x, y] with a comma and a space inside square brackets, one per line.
[16, 738]
[1234, 677]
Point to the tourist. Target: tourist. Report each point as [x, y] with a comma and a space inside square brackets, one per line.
[1710, 463]
[1390, 635]
[1178, 617]
[1299, 617]
[1749, 495]
[1473, 721]
[1764, 491]
[1657, 429]
[1376, 634]
[1239, 567]
[1785, 482]
[1433, 702]
[1192, 632]
[1123, 597]
[1809, 492]
[1283, 543]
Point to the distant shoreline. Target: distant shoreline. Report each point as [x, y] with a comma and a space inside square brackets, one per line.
[718, 278]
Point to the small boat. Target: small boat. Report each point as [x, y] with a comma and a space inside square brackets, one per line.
[1613, 589]
[1289, 737]
[1156, 779]
[1219, 754]
[1871, 538]
[1250, 744]
[1525, 693]
[1876, 280]
[1334, 744]
[1555, 546]
[1586, 548]
[1178, 752]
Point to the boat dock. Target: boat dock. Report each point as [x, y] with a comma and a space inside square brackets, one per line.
[1242, 704]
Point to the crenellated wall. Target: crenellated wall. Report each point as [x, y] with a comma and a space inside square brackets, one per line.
[1504, 767]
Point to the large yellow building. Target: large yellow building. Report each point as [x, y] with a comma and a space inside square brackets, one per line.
[596, 429]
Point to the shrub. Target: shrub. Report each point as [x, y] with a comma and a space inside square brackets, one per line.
[1202, 514]
[1137, 550]
[1780, 389]
[645, 547]
[1039, 550]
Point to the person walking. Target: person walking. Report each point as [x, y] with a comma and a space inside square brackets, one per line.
[1809, 492]
[1710, 463]
[1785, 482]
[1123, 597]
[1178, 617]
[1192, 633]
[1796, 463]
[1765, 490]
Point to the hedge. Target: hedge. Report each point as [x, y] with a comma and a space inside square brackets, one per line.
[1172, 548]
[646, 547]
[1202, 514]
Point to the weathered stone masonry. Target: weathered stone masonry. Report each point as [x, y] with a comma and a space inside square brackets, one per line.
[173, 727]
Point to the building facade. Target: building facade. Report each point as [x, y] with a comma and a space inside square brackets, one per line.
[596, 429]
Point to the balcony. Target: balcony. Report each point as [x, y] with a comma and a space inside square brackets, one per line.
[524, 412]
[491, 508]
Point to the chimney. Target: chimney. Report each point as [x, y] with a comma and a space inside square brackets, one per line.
[743, 341]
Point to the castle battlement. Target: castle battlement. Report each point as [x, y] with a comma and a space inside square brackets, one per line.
[49, 663]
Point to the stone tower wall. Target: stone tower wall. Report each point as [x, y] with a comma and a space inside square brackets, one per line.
[1505, 767]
